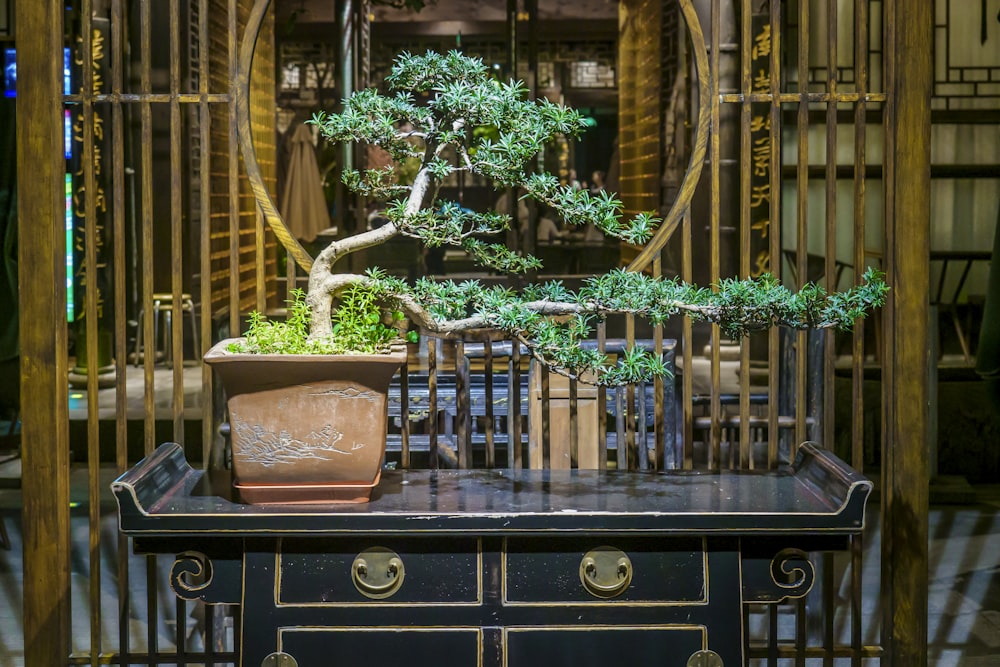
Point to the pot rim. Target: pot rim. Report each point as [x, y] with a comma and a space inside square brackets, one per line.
[219, 353]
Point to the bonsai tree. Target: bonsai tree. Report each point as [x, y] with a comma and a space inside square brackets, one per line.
[430, 116]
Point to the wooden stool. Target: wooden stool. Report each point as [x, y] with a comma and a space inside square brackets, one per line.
[163, 306]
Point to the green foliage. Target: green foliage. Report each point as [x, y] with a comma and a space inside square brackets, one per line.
[266, 336]
[494, 129]
[357, 327]
[740, 307]
[375, 183]
[468, 121]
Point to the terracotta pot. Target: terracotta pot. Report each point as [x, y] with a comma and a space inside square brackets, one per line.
[306, 428]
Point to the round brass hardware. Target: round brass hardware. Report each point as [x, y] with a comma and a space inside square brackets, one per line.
[704, 659]
[279, 660]
[377, 573]
[605, 572]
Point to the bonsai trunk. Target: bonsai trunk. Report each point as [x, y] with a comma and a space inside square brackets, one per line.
[324, 285]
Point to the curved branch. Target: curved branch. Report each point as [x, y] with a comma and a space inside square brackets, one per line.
[323, 283]
[412, 133]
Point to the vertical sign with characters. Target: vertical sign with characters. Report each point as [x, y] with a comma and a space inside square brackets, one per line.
[99, 197]
[760, 149]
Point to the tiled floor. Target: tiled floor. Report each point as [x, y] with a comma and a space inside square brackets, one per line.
[964, 586]
[964, 622]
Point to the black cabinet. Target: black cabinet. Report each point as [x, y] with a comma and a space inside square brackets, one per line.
[499, 567]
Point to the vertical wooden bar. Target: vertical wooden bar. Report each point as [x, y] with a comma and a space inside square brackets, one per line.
[574, 426]
[602, 405]
[621, 449]
[488, 399]
[176, 229]
[404, 415]
[659, 431]
[687, 341]
[148, 335]
[772, 635]
[146, 206]
[714, 444]
[860, 190]
[205, 237]
[44, 364]
[432, 403]
[546, 443]
[857, 554]
[121, 338]
[176, 276]
[514, 403]
[801, 268]
[828, 590]
[641, 461]
[629, 449]
[462, 403]
[857, 347]
[830, 275]
[746, 151]
[774, 235]
[802, 219]
[234, 172]
[345, 70]
[84, 54]
[260, 283]
[830, 258]
[905, 460]
[801, 618]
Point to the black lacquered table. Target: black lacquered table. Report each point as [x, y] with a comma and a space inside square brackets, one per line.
[499, 567]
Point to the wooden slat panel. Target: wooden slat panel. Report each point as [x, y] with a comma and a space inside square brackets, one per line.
[238, 268]
[639, 109]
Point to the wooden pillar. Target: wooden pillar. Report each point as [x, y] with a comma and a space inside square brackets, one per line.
[905, 469]
[42, 302]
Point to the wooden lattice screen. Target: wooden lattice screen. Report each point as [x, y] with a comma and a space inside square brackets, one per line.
[257, 262]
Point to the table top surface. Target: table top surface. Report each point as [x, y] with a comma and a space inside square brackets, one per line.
[162, 495]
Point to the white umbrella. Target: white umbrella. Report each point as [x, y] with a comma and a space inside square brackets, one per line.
[303, 205]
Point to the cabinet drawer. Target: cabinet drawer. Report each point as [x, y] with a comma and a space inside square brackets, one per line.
[434, 571]
[602, 646]
[547, 570]
[353, 647]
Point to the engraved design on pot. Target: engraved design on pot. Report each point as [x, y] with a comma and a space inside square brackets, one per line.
[348, 392]
[268, 448]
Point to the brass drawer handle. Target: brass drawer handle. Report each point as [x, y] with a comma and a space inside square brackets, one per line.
[377, 573]
[705, 659]
[605, 572]
[279, 660]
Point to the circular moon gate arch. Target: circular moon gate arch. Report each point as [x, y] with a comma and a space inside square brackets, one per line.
[241, 97]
